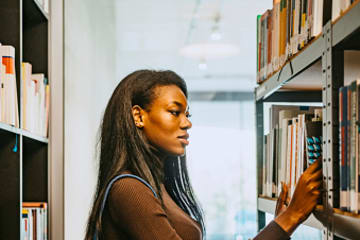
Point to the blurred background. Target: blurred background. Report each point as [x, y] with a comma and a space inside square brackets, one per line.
[212, 45]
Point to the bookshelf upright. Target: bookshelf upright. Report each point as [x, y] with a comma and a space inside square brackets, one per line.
[327, 50]
[24, 156]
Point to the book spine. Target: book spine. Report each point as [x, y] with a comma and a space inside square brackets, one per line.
[357, 134]
[353, 189]
[347, 147]
[343, 152]
[258, 48]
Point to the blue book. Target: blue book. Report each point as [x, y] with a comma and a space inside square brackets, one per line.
[343, 148]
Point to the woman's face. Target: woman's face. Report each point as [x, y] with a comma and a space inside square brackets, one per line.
[166, 122]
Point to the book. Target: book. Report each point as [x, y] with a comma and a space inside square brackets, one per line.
[9, 104]
[34, 218]
[343, 149]
[339, 7]
[349, 139]
[313, 141]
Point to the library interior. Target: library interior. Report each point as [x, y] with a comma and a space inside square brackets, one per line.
[267, 98]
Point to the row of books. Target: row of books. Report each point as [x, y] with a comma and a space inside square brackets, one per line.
[35, 101]
[349, 136]
[35, 98]
[287, 28]
[284, 30]
[292, 144]
[34, 221]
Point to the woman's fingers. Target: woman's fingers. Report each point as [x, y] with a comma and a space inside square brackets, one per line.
[317, 175]
[314, 167]
[281, 202]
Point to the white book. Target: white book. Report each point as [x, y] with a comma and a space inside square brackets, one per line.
[25, 98]
[289, 156]
[336, 9]
[39, 113]
[11, 105]
[294, 156]
[283, 139]
[317, 19]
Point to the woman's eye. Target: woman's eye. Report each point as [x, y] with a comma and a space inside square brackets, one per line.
[188, 115]
[175, 113]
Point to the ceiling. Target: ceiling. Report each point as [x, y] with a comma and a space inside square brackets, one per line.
[150, 34]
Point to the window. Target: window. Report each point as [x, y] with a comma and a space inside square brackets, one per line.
[221, 160]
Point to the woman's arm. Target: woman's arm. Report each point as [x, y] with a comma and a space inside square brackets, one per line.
[305, 197]
[304, 200]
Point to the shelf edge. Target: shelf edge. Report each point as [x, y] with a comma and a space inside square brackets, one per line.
[268, 206]
[33, 136]
[303, 60]
[9, 128]
[346, 25]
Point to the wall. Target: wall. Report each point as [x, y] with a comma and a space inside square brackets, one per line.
[89, 81]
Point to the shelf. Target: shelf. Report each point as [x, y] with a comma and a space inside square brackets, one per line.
[304, 59]
[10, 128]
[34, 136]
[344, 224]
[347, 26]
[268, 205]
[23, 132]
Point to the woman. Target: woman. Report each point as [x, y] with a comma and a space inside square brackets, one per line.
[144, 135]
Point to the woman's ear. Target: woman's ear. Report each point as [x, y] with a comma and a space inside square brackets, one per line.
[138, 114]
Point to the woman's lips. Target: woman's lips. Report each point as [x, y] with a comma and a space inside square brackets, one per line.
[184, 139]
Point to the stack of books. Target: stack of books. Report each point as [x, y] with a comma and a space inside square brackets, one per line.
[9, 109]
[34, 221]
[293, 143]
[284, 30]
[349, 119]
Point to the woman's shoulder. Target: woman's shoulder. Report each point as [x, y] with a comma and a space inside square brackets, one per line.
[130, 187]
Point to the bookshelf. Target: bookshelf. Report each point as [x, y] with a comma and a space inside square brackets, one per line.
[326, 50]
[24, 156]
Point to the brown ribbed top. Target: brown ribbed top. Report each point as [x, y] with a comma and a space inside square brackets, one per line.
[133, 212]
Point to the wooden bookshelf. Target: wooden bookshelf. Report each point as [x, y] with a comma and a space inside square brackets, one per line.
[326, 53]
[24, 156]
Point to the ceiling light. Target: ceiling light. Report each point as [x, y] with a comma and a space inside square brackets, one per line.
[209, 50]
[202, 65]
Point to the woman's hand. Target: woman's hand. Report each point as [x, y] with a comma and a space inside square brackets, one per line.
[304, 199]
